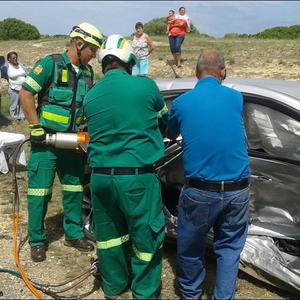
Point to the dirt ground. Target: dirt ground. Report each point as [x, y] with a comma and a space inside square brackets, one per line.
[244, 58]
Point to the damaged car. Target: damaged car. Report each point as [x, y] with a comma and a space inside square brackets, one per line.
[272, 124]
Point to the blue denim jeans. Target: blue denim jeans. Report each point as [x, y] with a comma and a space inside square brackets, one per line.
[175, 43]
[198, 212]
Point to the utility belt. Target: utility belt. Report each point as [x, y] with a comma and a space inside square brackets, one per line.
[219, 186]
[123, 170]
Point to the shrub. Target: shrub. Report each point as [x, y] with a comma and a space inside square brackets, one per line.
[280, 32]
[14, 29]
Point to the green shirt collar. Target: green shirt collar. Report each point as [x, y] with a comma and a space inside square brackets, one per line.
[66, 58]
[68, 62]
[116, 72]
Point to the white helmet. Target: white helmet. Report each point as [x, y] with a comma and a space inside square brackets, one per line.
[117, 46]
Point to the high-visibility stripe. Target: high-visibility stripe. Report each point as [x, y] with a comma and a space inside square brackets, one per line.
[78, 120]
[71, 188]
[163, 111]
[145, 256]
[113, 242]
[54, 117]
[64, 75]
[33, 84]
[39, 192]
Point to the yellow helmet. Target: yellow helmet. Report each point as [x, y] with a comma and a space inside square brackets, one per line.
[88, 33]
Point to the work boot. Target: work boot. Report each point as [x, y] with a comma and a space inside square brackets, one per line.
[81, 245]
[38, 253]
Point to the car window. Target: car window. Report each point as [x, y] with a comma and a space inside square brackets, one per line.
[272, 131]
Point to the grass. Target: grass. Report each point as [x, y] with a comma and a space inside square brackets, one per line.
[4, 105]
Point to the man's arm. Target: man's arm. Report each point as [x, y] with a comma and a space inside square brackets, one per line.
[28, 104]
[38, 77]
[173, 126]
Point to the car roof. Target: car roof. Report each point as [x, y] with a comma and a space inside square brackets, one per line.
[284, 91]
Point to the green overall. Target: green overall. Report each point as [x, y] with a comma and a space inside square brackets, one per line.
[60, 95]
[122, 118]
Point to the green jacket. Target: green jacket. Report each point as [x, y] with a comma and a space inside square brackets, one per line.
[122, 119]
[60, 91]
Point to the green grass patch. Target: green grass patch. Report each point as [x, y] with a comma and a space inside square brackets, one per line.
[4, 109]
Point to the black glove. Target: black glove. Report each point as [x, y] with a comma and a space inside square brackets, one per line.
[37, 133]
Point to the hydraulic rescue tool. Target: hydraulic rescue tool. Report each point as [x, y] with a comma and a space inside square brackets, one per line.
[68, 140]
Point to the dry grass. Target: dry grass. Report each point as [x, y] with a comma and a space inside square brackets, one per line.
[244, 58]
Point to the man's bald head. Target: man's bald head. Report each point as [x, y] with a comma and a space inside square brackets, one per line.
[211, 63]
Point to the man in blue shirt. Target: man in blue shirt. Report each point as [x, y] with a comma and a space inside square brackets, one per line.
[216, 166]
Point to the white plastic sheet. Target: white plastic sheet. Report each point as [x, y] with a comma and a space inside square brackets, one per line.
[8, 144]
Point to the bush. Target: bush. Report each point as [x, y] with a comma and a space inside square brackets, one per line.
[280, 32]
[158, 26]
[14, 29]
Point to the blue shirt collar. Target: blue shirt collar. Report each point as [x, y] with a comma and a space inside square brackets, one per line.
[209, 79]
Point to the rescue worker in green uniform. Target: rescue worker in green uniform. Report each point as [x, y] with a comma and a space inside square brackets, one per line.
[60, 81]
[122, 119]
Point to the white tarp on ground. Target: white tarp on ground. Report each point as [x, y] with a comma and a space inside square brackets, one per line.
[8, 144]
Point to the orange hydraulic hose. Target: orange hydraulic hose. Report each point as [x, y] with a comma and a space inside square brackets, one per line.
[16, 225]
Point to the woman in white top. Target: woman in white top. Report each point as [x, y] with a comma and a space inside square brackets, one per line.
[16, 76]
[142, 46]
[182, 15]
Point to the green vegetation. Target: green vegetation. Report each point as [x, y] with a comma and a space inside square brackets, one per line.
[14, 29]
[158, 26]
[279, 33]
[4, 109]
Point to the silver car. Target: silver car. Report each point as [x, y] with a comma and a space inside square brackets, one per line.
[272, 122]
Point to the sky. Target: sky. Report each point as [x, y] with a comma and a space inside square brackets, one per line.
[214, 18]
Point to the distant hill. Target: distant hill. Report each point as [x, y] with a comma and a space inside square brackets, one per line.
[278, 32]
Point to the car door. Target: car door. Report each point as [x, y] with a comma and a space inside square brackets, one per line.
[273, 136]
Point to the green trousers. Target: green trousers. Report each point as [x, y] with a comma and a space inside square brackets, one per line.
[129, 228]
[44, 162]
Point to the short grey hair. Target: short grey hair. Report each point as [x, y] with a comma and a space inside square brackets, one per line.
[210, 61]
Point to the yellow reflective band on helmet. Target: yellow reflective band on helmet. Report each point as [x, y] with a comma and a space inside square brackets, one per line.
[64, 76]
[33, 84]
[39, 192]
[72, 188]
[55, 117]
[113, 242]
[145, 256]
[163, 111]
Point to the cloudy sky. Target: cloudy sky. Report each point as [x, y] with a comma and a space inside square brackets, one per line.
[215, 18]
